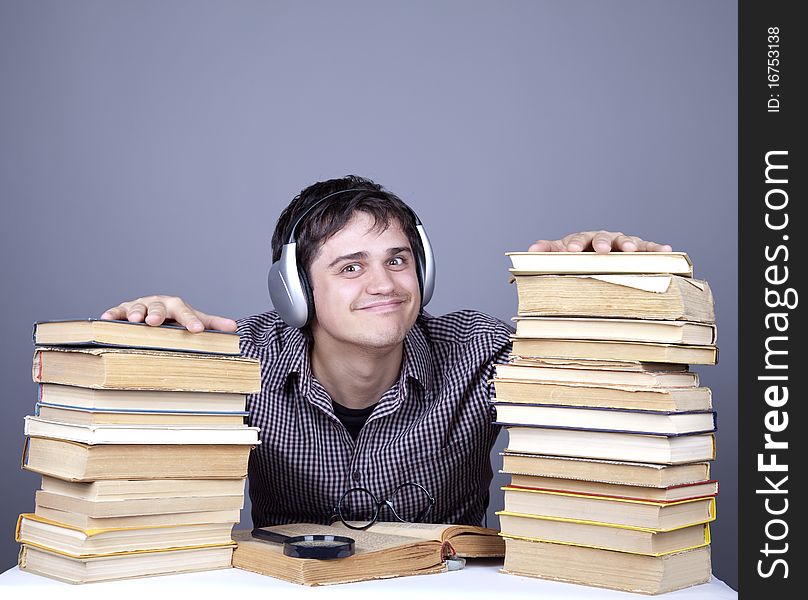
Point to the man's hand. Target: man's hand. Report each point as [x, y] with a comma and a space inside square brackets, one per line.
[599, 241]
[155, 310]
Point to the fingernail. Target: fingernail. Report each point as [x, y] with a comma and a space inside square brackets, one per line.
[630, 246]
[574, 247]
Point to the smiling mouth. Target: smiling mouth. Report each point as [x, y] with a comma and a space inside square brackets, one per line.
[383, 306]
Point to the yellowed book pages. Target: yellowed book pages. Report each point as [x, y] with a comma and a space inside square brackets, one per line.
[117, 368]
[377, 556]
[468, 541]
[82, 521]
[627, 330]
[582, 394]
[84, 543]
[640, 351]
[140, 489]
[138, 506]
[644, 514]
[122, 566]
[73, 461]
[537, 369]
[133, 335]
[668, 297]
[607, 568]
[608, 471]
[603, 535]
[698, 489]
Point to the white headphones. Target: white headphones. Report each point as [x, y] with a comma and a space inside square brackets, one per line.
[289, 288]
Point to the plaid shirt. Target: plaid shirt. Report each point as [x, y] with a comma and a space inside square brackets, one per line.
[434, 426]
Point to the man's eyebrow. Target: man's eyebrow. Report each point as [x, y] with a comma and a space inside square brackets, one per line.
[353, 256]
[363, 255]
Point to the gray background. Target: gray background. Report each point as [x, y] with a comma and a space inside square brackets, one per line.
[148, 147]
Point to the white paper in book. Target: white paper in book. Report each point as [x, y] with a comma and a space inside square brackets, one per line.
[141, 434]
[658, 284]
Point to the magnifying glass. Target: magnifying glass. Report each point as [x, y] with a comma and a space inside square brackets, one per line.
[324, 546]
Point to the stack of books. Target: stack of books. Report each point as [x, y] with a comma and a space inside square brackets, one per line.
[140, 439]
[609, 432]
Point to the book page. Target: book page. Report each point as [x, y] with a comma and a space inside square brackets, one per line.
[366, 541]
[421, 531]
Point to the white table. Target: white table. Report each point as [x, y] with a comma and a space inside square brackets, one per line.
[479, 579]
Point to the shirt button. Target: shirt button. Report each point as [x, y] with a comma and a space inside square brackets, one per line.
[356, 476]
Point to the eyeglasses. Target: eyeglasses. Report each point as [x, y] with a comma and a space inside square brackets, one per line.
[359, 508]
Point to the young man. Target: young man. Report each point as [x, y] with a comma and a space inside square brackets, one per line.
[369, 392]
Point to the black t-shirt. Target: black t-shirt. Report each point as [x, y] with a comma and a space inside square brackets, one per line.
[352, 418]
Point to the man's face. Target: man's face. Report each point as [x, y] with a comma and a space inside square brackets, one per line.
[365, 285]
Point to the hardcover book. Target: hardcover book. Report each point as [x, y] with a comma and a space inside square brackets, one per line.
[537, 263]
[126, 368]
[606, 568]
[98, 332]
[654, 297]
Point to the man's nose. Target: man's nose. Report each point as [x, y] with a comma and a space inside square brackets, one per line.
[380, 281]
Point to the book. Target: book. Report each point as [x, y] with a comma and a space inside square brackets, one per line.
[677, 263]
[610, 445]
[122, 566]
[86, 522]
[682, 491]
[83, 462]
[125, 368]
[655, 297]
[648, 514]
[70, 396]
[141, 434]
[137, 506]
[599, 365]
[603, 535]
[467, 541]
[84, 416]
[607, 568]
[640, 351]
[376, 556]
[627, 330]
[603, 396]
[138, 489]
[606, 471]
[606, 419]
[523, 369]
[98, 332]
[84, 543]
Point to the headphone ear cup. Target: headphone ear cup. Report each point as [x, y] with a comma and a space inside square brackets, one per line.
[290, 299]
[308, 295]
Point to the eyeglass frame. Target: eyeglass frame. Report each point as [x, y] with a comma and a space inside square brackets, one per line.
[380, 503]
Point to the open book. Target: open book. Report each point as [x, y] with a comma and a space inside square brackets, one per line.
[467, 541]
[385, 550]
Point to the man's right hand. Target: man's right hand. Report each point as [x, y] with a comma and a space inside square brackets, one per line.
[155, 310]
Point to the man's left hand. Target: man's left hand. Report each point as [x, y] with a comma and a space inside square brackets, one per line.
[598, 241]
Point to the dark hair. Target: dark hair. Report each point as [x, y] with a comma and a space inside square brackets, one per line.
[332, 215]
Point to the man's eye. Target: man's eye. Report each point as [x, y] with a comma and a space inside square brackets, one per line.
[353, 268]
[397, 261]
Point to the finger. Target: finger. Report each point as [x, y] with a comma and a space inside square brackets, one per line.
[156, 313]
[547, 246]
[578, 242]
[135, 312]
[646, 246]
[602, 241]
[116, 313]
[625, 243]
[188, 318]
[217, 323]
